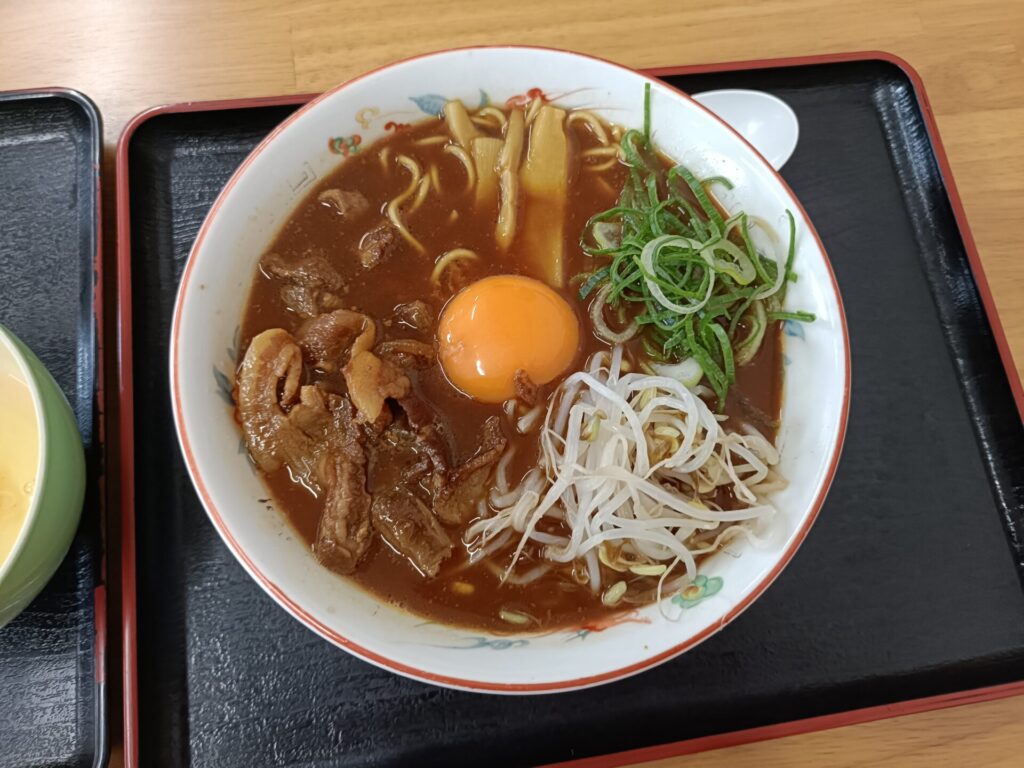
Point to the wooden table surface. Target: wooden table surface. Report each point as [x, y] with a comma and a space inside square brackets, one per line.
[131, 55]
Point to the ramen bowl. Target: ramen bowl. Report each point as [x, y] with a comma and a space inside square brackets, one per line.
[52, 481]
[203, 356]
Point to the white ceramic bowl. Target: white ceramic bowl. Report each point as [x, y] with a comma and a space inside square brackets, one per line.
[258, 200]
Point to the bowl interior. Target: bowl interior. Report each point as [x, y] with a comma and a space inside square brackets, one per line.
[16, 372]
[260, 198]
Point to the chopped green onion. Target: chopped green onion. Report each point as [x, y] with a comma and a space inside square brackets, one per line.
[687, 371]
[803, 317]
[592, 282]
[689, 280]
[698, 192]
[717, 180]
[790, 255]
[647, 114]
[607, 234]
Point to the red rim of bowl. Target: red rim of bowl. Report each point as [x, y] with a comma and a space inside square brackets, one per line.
[477, 685]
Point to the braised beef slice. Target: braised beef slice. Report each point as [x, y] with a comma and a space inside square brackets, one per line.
[456, 501]
[407, 353]
[371, 381]
[417, 411]
[312, 271]
[378, 244]
[526, 390]
[326, 338]
[281, 421]
[423, 423]
[416, 315]
[314, 434]
[301, 300]
[394, 459]
[309, 302]
[311, 414]
[347, 204]
[409, 526]
[374, 429]
[343, 534]
[312, 283]
[430, 444]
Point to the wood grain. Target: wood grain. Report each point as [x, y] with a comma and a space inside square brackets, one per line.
[131, 55]
[987, 734]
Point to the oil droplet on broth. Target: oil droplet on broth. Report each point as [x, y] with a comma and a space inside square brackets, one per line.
[19, 457]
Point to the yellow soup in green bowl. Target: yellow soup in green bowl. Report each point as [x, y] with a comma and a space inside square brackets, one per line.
[42, 476]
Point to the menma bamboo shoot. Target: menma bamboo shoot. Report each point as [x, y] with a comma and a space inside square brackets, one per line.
[460, 124]
[508, 171]
[545, 184]
[485, 151]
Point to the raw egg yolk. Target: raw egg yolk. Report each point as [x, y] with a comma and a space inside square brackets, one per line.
[500, 325]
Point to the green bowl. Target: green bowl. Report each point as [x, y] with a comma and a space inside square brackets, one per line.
[56, 506]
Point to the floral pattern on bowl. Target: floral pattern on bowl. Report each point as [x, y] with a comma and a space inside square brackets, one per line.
[701, 588]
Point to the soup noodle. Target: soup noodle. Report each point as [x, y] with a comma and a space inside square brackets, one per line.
[514, 369]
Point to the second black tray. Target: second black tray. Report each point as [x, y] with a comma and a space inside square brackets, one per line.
[52, 656]
[905, 588]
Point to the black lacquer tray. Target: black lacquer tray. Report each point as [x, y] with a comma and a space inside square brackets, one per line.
[908, 588]
[52, 656]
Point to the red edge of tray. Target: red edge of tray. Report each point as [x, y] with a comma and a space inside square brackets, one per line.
[125, 395]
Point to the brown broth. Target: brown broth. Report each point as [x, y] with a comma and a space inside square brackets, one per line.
[554, 599]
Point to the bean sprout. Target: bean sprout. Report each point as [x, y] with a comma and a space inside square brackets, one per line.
[501, 471]
[622, 455]
[530, 576]
[530, 419]
[476, 555]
